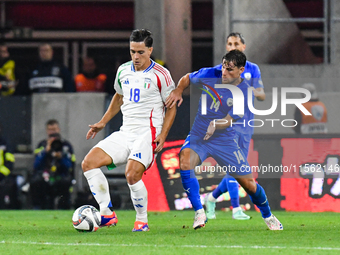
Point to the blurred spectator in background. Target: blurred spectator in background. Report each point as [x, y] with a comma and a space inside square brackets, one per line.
[90, 79]
[315, 123]
[7, 72]
[49, 75]
[8, 187]
[53, 170]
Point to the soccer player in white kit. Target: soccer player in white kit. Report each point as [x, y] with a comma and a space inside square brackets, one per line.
[142, 87]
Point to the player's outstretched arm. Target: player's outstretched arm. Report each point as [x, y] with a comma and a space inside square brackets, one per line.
[218, 124]
[112, 110]
[169, 118]
[176, 95]
[259, 94]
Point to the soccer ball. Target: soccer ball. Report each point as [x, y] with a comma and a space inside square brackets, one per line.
[86, 218]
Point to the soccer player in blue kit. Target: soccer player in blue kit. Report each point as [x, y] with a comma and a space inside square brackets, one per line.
[235, 41]
[213, 134]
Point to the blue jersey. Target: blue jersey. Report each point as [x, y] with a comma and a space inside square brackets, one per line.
[222, 145]
[252, 74]
[219, 103]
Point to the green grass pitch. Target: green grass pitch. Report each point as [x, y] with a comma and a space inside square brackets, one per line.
[51, 232]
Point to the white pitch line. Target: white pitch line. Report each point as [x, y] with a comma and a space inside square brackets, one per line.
[175, 246]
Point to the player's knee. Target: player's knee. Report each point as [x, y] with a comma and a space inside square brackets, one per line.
[184, 160]
[250, 186]
[184, 163]
[132, 177]
[86, 164]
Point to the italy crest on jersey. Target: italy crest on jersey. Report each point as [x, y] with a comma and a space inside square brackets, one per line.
[147, 83]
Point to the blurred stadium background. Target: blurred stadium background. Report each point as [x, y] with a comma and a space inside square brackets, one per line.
[292, 41]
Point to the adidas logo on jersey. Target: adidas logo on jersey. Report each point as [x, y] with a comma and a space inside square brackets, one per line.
[137, 155]
[139, 205]
[126, 81]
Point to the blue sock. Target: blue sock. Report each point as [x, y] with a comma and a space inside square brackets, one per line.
[233, 191]
[260, 200]
[221, 188]
[191, 187]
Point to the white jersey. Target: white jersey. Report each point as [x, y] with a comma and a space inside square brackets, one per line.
[144, 94]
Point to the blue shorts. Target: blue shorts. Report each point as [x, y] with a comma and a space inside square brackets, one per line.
[186, 143]
[243, 141]
[226, 152]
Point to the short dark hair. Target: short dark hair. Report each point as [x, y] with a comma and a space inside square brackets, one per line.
[90, 57]
[142, 35]
[52, 122]
[236, 34]
[237, 57]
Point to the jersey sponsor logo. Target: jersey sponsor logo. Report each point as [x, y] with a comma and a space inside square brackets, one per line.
[247, 76]
[126, 81]
[137, 155]
[147, 83]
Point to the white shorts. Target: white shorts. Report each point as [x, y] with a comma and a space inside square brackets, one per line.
[122, 146]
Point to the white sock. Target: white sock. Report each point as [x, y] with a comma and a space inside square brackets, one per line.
[211, 198]
[200, 211]
[139, 197]
[100, 189]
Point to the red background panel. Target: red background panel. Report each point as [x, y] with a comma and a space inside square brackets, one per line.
[64, 15]
[156, 196]
[296, 189]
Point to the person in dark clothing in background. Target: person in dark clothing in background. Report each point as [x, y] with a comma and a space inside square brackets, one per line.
[53, 170]
[49, 75]
[8, 187]
[7, 72]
